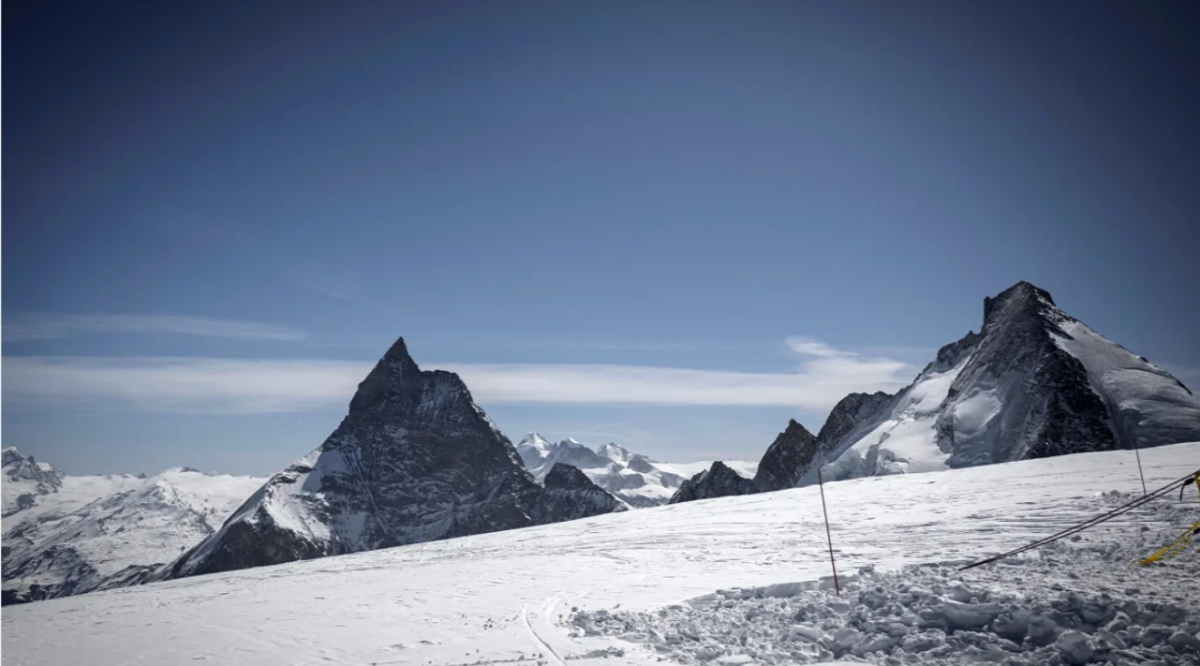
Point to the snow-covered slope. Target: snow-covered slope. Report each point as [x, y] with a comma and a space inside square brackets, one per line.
[415, 459]
[1146, 404]
[755, 568]
[631, 477]
[97, 532]
[902, 437]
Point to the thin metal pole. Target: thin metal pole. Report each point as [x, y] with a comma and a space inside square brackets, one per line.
[1138, 453]
[837, 588]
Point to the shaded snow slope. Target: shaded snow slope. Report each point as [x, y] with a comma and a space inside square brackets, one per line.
[415, 459]
[105, 531]
[1147, 405]
[507, 597]
[633, 478]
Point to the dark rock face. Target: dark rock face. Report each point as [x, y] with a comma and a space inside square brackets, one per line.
[570, 494]
[1049, 406]
[786, 459]
[718, 481]
[414, 460]
[850, 413]
[1034, 382]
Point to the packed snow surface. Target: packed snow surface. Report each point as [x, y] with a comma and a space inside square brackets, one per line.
[737, 580]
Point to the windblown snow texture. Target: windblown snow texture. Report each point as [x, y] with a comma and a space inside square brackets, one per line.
[414, 460]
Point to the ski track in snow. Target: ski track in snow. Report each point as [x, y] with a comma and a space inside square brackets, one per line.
[515, 597]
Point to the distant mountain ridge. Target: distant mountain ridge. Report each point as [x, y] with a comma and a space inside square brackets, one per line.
[633, 478]
[1034, 382]
[78, 534]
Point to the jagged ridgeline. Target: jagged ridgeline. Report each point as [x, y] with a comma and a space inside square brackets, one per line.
[414, 460]
[1034, 382]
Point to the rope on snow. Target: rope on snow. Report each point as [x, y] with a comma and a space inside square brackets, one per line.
[1125, 508]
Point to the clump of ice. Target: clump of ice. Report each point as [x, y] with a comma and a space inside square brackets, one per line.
[1069, 603]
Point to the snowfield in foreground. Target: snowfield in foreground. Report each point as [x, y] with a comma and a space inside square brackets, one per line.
[738, 580]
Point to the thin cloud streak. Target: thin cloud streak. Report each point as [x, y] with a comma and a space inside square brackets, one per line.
[819, 385]
[187, 385]
[243, 386]
[43, 326]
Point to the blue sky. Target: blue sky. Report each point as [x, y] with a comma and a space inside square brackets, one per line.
[669, 225]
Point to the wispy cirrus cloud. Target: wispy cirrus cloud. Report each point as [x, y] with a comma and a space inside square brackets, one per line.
[823, 376]
[188, 385]
[46, 326]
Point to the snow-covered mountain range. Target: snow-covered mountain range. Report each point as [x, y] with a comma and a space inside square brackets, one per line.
[414, 460]
[1034, 382]
[65, 535]
[738, 580]
[633, 478]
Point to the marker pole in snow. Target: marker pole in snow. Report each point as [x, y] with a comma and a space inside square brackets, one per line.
[828, 536]
[1138, 453]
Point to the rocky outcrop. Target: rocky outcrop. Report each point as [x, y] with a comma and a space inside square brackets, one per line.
[786, 459]
[414, 460]
[1047, 405]
[716, 481]
[570, 494]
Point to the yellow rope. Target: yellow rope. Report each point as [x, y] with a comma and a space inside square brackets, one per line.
[1176, 547]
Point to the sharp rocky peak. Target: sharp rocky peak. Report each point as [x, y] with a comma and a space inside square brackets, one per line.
[1021, 301]
[414, 460]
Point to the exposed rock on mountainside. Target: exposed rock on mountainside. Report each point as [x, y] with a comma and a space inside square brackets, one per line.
[786, 458]
[717, 481]
[571, 494]
[1034, 382]
[414, 460]
[785, 462]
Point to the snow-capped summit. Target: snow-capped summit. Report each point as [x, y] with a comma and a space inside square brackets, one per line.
[615, 453]
[1034, 382]
[414, 460]
[25, 480]
[533, 449]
